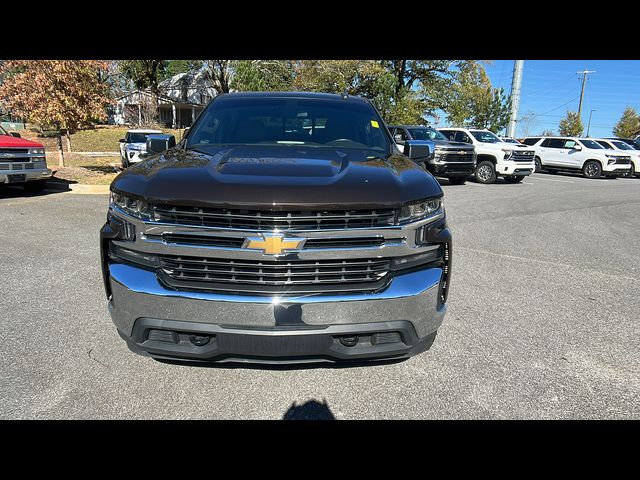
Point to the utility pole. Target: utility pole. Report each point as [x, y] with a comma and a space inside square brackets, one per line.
[589, 126]
[515, 96]
[584, 74]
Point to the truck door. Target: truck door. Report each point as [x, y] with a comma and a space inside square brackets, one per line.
[572, 158]
[549, 152]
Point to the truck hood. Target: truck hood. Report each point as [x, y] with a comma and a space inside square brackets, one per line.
[447, 145]
[277, 178]
[7, 141]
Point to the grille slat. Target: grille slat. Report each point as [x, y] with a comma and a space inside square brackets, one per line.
[457, 157]
[207, 273]
[271, 220]
[522, 156]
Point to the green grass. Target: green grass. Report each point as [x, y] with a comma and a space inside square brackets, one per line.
[106, 139]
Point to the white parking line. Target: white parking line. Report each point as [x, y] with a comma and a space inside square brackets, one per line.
[537, 177]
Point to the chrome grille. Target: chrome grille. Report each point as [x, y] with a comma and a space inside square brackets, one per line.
[271, 220]
[237, 242]
[522, 156]
[623, 161]
[268, 277]
[14, 150]
[457, 157]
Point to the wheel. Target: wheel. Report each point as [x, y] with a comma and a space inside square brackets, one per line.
[514, 178]
[485, 172]
[538, 164]
[35, 186]
[592, 169]
[632, 172]
[457, 180]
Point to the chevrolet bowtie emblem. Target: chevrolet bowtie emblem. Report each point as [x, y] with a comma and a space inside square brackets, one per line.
[273, 243]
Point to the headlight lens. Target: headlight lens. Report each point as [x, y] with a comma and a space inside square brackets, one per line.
[136, 147]
[133, 206]
[507, 153]
[36, 151]
[420, 210]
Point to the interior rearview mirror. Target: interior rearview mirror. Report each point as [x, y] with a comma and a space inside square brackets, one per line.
[160, 143]
[420, 150]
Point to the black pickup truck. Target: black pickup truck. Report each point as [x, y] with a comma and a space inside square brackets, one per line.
[453, 160]
[284, 227]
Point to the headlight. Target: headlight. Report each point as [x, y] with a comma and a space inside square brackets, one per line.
[420, 210]
[507, 153]
[36, 151]
[136, 148]
[133, 206]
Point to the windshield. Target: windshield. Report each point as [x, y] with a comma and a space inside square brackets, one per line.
[289, 121]
[485, 137]
[623, 146]
[592, 144]
[426, 133]
[137, 137]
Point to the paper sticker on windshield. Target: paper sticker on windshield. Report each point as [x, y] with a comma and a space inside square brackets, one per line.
[375, 124]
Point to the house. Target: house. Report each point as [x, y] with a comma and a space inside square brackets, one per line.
[182, 98]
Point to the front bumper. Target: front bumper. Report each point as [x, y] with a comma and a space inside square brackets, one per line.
[29, 175]
[272, 329]
[133, 156]
[452, 169]
[616, 170]
[515, 168]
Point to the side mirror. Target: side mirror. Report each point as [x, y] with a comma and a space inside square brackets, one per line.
[398, 139]
[15, 134]
[420, 150]
[160, 143]
[577, 147]
[122, 140]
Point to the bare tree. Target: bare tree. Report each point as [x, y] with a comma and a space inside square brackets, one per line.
[527, 122]
[220, 72]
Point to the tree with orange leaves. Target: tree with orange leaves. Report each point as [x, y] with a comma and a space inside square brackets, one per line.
[65, 94]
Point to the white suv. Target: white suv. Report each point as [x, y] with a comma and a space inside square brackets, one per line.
[134, 144]
[626, 149]
[578, 154]
[495, 157]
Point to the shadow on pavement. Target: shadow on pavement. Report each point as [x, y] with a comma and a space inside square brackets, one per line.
[52, 187]
[311, 410]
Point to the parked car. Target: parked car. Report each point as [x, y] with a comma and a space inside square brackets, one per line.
[623, 147]
[453, 160]
[634, 143]
[255, 239]
[22, 162]
[494, 157]
[133, 145]
[574, 154]
[510, 140]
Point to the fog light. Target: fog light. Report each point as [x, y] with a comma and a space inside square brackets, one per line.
[349, 341]
[199, 340]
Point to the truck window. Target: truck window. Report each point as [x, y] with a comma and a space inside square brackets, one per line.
[553, 143]
[462, 137]
[288, 121]
[530, 141]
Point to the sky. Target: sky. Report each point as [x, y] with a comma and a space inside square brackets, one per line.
[551, 87]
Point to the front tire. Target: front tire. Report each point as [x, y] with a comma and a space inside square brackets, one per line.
[485, 172]
[514, 178]
[592, 169]
[538, 165]
[35, 186]
[458, 180]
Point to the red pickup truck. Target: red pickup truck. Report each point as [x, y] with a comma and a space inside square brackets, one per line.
[22, 162]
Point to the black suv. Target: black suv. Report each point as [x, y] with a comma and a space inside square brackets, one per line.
[284, 227]
[453, 160]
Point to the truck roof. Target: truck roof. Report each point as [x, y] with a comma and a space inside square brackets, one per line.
[317, 95]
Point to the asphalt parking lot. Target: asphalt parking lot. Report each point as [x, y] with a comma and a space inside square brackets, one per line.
[543, 321]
